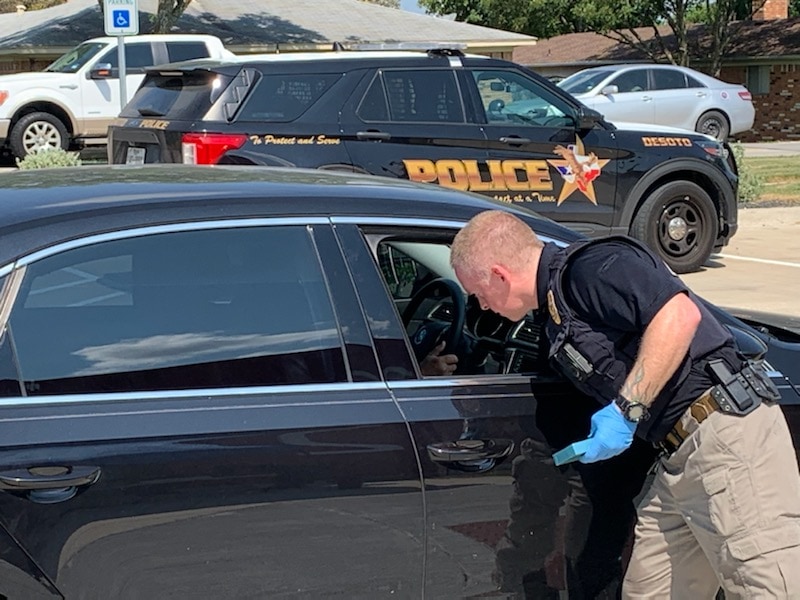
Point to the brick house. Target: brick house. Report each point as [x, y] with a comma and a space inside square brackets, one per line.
[30, 40]
[764, 55]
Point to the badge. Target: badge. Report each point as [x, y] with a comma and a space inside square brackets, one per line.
[551, 306]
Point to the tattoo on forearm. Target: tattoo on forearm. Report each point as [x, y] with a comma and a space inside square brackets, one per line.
[633, 389]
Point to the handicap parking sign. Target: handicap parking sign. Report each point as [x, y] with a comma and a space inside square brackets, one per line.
[121, 17]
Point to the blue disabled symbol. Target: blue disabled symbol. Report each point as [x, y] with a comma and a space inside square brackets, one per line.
[121, 18]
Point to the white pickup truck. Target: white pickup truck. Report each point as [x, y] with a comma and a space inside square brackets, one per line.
[76, 97]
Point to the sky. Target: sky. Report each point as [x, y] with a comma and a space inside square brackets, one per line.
[411, 5]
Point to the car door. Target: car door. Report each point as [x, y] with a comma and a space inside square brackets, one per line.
[412, 124]
[631, 102]
[679, 99]
[500, 516]
[186, 415]
[100, 94]
[536, 156]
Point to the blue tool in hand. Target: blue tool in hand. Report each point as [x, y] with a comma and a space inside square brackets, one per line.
[611, 434]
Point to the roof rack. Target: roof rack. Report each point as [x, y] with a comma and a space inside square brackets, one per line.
[439, 48]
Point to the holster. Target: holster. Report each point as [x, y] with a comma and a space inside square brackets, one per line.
[741, 393]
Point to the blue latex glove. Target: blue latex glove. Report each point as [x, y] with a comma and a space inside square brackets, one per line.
[611, 434]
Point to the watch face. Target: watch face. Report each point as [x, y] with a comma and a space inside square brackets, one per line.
[636, 412]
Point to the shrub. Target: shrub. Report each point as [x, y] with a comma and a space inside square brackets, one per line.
[750, 184]
[53, 157]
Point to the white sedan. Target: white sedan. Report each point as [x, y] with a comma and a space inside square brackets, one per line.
[664, 95]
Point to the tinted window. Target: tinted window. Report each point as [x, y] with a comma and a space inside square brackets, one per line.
[185, 96]
[214, 308]
[177, 51]
[414, 96]
[509, 96]
[583, 82]
[137, 56]
[631, 81]
[667, 79]
[282, 98]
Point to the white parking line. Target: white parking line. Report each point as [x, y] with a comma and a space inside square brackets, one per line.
[765, 261]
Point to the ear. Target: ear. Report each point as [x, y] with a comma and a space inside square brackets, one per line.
[501, 272]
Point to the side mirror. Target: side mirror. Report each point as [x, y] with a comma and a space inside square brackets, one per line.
[609, 89]
[101, 71]
[497, 86]
[587, 118]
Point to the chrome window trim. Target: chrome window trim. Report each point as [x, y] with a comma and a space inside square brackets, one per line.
[169, 228]
[416, 222]
[207, 393]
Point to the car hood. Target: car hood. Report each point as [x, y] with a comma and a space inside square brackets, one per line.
[38, 79]
[652, 128]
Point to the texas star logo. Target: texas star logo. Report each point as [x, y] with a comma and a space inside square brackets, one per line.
[578, 170]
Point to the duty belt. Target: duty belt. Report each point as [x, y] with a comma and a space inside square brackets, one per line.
[700, 409]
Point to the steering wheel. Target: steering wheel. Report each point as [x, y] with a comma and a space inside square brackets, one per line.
[455, 333]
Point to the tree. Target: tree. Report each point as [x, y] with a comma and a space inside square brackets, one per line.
[667, 23]
[169, 11]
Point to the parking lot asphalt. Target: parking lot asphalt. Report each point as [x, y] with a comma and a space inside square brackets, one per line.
[760, 269]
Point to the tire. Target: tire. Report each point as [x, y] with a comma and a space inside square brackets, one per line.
[715, 124]
[678, 221]
[36, 131]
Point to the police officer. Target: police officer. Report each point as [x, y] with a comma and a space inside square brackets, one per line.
[724, 506]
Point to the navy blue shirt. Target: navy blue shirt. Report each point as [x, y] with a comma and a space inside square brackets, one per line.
[615, 289]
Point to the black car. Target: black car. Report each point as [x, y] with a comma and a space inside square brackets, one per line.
[211, 389]
[466, 122]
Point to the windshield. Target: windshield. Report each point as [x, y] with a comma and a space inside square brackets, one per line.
[583, 82]
[76, 58]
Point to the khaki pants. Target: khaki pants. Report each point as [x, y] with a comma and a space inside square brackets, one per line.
[723, 511]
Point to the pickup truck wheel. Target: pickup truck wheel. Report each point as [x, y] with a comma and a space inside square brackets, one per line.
[37, 131]
[679, 221]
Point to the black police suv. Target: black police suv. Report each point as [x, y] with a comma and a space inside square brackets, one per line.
[210, 387]
[465, 122]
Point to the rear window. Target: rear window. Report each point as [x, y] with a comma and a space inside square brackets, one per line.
[282, 98]
[184, 96]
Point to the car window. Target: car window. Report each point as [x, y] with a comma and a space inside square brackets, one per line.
[175, 96]
[668, 79]
[583, 82]
[76, 58]
[631, 81]
[489, 345]
[692, 82]
[413, 96]
[281, 98]
[509, 96]
[178, 51]
[183, 310]
[137, 56]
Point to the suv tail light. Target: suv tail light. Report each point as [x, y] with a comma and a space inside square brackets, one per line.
[207, 148]
[746, 96]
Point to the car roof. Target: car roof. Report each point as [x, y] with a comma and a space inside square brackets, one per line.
[42, 207]
[624, 67]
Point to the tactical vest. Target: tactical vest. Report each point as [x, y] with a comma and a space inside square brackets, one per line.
[594, 363]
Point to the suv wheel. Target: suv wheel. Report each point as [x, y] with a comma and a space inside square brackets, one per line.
[715, 124]
[679, 221]
[37, 131]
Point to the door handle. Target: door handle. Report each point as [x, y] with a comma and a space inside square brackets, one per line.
[50, 484]
[69, 86]
[472, 456]
[647, 98]
[514, 139]
[42, 478]
[373, 135]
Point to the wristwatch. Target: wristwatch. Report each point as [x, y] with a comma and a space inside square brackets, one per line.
[632, 411]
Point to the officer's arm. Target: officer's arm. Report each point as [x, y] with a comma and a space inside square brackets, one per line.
[664, 345]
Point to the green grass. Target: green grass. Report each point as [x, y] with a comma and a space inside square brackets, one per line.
[780, 177]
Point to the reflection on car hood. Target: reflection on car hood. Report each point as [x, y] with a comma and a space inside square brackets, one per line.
[653, 128]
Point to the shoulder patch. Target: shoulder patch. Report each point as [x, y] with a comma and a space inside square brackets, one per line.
[551, 307]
